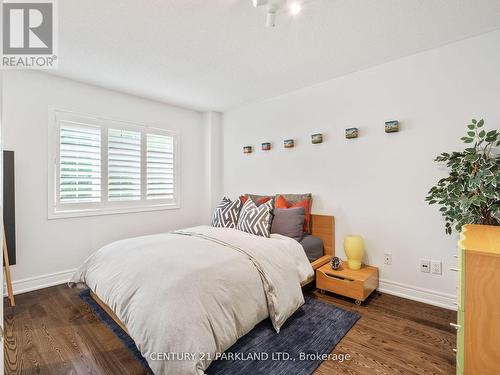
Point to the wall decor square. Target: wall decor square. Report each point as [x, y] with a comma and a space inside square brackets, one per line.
[247, 149]
[316, 138]
[289, 143]
[351, 133]
[266, 146]
[392, 126]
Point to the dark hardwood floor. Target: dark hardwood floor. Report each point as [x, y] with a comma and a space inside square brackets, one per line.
[52, 331]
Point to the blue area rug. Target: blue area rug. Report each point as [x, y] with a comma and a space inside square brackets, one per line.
[313, 330]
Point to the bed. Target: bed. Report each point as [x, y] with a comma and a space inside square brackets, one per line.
[210, 288]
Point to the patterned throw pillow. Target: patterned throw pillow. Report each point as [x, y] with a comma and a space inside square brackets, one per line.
[226, 213]
[256, 220]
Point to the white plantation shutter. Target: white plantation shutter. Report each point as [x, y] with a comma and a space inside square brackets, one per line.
[108, 166]
[79, 163]
[124, 165]
[160, 167]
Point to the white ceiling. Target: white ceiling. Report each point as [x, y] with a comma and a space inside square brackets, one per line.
[218, 54]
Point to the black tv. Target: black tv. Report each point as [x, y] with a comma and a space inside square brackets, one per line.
[9, 204]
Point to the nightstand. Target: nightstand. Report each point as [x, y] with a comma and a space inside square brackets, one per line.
[356, 284]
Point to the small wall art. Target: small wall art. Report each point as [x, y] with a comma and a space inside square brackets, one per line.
[351, 133]
[316, 138]
[289, 143]
[247, 149]
[392, 126]
[266, 146]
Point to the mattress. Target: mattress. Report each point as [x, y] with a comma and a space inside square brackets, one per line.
[313, 246]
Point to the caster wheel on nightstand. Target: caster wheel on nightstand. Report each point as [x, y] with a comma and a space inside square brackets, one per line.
[322, 291]
[358, 302]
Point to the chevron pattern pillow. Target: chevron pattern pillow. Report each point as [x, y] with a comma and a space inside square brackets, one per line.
[256, 220]
[226, 213]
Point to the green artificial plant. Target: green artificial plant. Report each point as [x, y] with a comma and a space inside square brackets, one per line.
[471, 192]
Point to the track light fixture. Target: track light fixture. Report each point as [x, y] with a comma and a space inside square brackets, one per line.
[271, 18]
[275, 6]
[258, 3]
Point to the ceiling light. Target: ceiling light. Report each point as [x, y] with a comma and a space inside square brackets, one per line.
[258, 3]
[271, 19]
[275, 7]
[295, 8]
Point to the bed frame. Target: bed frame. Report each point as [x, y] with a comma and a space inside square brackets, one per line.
[108, 311]
[322, 226]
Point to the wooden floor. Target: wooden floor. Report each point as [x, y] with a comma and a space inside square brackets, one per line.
[52, 331]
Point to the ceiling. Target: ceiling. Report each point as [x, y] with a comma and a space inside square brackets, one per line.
[218, 54]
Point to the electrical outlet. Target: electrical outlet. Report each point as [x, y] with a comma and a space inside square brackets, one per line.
[436, 267]
[388, 259]
[425, 265]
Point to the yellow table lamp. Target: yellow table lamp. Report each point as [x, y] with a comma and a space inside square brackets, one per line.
[354, 248]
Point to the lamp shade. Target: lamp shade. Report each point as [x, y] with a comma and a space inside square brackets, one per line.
[354, 248]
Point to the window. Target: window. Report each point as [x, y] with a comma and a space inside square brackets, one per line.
[79, 163]
[160, 167]
[124, 165]
[105, 166]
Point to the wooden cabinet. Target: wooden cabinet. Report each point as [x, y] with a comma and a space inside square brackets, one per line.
[478, 326]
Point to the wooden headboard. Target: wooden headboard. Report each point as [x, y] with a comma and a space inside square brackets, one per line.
[323, 226]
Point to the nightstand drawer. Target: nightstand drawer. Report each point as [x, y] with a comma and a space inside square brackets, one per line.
[340, 285]
[357, 284]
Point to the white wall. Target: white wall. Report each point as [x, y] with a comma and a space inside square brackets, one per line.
[47, 250]
[374, 185]
[212, 123]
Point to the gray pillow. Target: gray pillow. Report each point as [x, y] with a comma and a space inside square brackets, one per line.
[294, 198]
[289, 222]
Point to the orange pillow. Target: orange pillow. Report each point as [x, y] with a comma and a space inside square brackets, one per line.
[243, 199]
[306, 203]
[281, 202]
[263, 200]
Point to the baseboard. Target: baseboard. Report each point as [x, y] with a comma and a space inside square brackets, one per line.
[431, 297]
[39, 282]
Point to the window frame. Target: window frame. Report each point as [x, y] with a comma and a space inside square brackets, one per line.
[105, 207]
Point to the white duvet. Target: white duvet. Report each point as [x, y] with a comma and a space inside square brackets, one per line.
[188, 295]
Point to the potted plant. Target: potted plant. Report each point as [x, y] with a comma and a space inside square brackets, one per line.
[471, 192]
